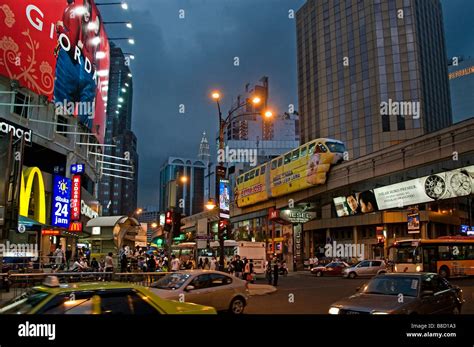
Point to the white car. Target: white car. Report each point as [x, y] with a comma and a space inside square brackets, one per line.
[218, 289]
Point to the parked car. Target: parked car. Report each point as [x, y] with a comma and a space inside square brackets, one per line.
[403, 293]
[206, 287]
[96, 298]
[334, 268]
[366, 268]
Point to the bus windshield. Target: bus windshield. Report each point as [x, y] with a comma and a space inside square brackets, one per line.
[406, 253]
[335, 147]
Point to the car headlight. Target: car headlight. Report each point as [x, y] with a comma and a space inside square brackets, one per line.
[418, 268]
[334, 310]
[379, 312]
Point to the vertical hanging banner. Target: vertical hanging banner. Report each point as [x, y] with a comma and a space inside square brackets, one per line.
[76, 198]
[60, 216]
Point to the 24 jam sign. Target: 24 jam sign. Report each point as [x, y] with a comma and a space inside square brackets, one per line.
[60, 216]
[76, 198]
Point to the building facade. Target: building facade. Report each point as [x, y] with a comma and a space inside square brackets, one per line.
[371, 73]
[186, 197]
[119, 178]
[461, 81]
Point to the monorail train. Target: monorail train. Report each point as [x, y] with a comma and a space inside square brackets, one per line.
[301, 168]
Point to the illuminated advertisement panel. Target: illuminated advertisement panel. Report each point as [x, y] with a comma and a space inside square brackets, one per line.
[76, 198]
[439, 186]
[356, 203]
[60, 213]
[224, 198]
[58, 48]
[445, 185]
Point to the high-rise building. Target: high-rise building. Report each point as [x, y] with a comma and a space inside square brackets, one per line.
[204, 152]
[461, 81]
[186, 197]
[118, 188]
[371, 73]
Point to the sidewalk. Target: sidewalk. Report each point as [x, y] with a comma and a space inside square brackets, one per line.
[261, 289]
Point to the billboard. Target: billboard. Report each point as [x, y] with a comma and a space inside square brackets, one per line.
[59, 48]
[444, 185]
[356, 203]
[60, 212]
[439, 186]
[224, 198]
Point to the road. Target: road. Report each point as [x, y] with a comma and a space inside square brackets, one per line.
[303, 293]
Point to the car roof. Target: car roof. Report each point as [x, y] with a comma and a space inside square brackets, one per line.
[199, 272]
[71, 287]
[407, 274]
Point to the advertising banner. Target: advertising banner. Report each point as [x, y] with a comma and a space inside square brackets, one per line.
[224, 198]
[439, 186]
[445, 185]
[58, 48]
[356, 203]
[413, 223]
[60, 216]
[76, 198]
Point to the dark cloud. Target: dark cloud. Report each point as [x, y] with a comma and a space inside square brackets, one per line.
[179, 61]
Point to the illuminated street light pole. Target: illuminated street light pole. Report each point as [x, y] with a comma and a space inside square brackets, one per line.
[220, 169]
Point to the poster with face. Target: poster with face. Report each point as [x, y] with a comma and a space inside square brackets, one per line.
[59, 49]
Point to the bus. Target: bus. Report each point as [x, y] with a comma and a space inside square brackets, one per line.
[254, 251]
[185, 251]
[449, 256]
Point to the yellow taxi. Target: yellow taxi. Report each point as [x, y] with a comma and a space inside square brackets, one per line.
[107, 298]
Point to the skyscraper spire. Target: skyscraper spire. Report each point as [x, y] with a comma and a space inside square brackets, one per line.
[204, 153]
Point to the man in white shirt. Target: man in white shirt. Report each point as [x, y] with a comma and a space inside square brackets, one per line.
[213, 265]
[175, 263]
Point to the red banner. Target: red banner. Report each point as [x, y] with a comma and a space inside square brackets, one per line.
[76, 198]
[58, 48]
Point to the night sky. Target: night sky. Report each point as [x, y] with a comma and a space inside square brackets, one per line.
[180, 61]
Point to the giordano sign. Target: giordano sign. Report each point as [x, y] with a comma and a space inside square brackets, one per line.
[32, 183]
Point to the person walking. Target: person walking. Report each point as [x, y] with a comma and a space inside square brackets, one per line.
[109, 265]
[206, 265]
[275, 272]
[175, 263]
[268, 272]
[213, 265]
[151, 265]
[238, 266]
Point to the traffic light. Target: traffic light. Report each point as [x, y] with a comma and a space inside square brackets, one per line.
[168, 220]
[177, 222]
[224, 228]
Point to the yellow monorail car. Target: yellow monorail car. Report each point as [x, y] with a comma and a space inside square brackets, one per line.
[298, 169]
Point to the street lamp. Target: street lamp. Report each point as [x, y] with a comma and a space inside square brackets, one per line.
[210, 205]
[183, 179]
[220, 170]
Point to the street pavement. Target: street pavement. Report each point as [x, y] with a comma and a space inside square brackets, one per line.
[303, 293]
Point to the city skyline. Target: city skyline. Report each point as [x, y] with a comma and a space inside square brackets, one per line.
[181, 46]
